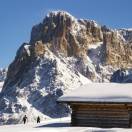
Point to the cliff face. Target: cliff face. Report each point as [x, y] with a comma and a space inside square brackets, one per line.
[63, 53]
[118, 51]
[63, 33]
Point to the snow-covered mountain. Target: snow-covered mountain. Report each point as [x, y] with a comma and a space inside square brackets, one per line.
[63, 53]
[3, 73]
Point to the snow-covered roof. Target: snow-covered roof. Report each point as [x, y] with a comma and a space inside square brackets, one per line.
[100, 92]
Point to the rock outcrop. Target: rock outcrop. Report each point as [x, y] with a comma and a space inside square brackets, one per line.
[63, 33]
[118, 51]
[122, 76]
[3, 73]
[127, 34]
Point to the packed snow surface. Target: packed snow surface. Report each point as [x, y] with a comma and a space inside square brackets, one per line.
[56, 125]
[100, 92]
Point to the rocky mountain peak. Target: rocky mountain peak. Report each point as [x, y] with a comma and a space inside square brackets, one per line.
[53, 25]
[63, 33]
[60, 14]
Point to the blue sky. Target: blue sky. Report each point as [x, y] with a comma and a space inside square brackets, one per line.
[18, 16]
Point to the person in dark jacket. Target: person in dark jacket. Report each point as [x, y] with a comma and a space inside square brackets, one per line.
[24, 119]
[38, 119]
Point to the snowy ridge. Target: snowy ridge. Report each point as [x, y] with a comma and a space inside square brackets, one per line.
[62, 13]
[27, 49]
[126, 29]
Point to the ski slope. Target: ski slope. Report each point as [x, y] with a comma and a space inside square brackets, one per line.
[55, 125]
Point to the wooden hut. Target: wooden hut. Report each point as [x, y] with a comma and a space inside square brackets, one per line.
[100, 105]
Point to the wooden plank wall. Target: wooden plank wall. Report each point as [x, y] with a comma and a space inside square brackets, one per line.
[101, 115]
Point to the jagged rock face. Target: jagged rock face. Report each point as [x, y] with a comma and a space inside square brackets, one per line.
[63, 33]
[118, 51]
[122, 76]
[63, 54]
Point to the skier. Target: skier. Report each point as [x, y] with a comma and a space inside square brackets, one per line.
[38, 119]
[24, 119]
